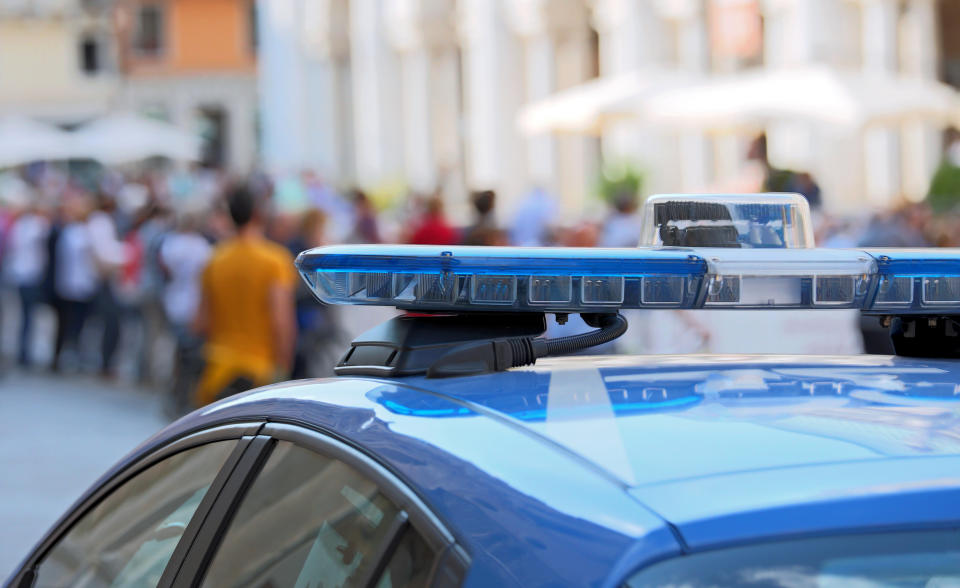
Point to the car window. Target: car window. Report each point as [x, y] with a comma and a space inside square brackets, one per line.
[410, 564]
[925, 559]
[128, 538]
[307, 521]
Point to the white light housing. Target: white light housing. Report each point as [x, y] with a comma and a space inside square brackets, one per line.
[757, 221]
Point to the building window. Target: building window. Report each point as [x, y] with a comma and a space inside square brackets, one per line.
[90, 56]
[148, 30]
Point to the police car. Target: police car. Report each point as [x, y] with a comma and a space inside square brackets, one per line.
[453, 449]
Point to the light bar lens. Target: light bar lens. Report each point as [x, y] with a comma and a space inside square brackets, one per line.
[511, 279]
[917, 281]
[503, 278]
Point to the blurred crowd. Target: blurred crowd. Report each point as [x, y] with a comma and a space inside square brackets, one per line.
[128, 267]
[186, 277]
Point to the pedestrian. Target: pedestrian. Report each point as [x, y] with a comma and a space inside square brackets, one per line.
[110, 256]
[533, 219]
[183, 255]
[432, 227]
[484, 230]
[76, 277]
[622, 228]
[365, 226]
[317, 329]
[246, 306]
[26, 265]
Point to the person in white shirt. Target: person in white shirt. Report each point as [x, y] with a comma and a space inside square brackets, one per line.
[75, 275]
[184, 254]
[109, 254]
[622, 228]
[26, 264]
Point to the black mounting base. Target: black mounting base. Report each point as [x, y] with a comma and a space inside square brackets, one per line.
[441, 345]
[926, 336]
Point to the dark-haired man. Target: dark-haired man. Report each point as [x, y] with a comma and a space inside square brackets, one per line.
[246, 307]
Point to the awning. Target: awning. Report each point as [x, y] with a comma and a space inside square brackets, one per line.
[23, 140]
[124, 138]
[586, 108]
[820, 94]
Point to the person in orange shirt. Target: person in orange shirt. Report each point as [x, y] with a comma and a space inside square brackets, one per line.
[246, 307]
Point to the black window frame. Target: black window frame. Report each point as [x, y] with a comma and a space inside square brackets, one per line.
[243, 433]
[210, 522]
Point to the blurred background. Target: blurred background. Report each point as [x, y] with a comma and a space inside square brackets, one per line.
[124, 124]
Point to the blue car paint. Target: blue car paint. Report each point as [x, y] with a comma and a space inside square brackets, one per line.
[580, 470]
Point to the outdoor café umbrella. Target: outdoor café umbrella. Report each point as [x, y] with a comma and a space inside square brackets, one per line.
[845, 99]
[23, 140]
[587, 107]
[124, 137]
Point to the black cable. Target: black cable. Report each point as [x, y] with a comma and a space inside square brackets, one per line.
[610, 326]
[494, 355]
[525, 350]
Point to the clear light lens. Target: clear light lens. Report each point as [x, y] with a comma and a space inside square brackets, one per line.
[662, 290]
[602, 290]
[938, 290]
[894, 291]
[760, 221]
[493, 289]
[757, 278]
[916, 281]
[550, 289]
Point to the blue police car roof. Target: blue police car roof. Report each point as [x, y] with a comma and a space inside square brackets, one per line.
[582, 469]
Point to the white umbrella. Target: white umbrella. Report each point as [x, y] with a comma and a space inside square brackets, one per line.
[849, 99]
[123, 138]
[23, 140]
[585, 108]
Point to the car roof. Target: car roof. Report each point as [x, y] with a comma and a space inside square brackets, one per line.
[632, 459]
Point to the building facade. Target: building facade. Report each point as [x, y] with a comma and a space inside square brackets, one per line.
[194, 63]
[426, 92]
[58, 59]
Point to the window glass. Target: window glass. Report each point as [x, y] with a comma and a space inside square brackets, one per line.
[410, 564]
[307, 521]
[89, 56]
[923, 559]
[148, 34]
[128, 538]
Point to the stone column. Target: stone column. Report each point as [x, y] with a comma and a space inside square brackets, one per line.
[694, 145]
[816, 33]
[881, 146]
[631, 39]
[280, 84]
[918, 49]
[300, 41]
[422, 34]
[377, 113]
[493, 93]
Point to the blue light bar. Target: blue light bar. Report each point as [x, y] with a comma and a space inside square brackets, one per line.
[518, 279]
[916, 281]
[508, 279]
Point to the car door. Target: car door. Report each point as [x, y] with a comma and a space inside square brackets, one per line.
[230, 507]
[313, 512]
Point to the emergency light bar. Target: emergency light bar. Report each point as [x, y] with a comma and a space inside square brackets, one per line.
[482, 309]
[575, 280]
